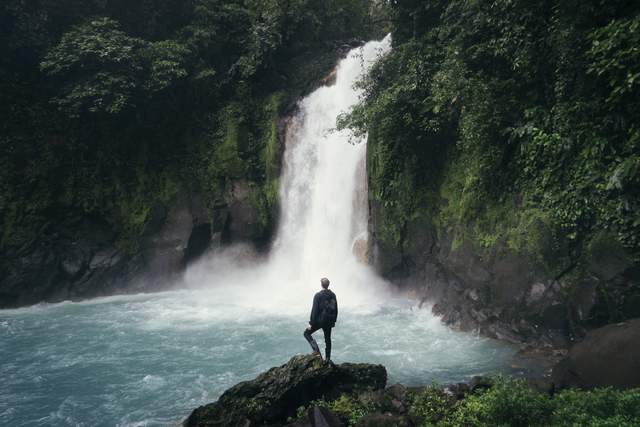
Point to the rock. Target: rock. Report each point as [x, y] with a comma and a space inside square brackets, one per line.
[199, 242]
[59, 262]
[275, 395]
[631, 306]
[536, 293]
[242, 223]
[105, 258]
[555, 317]
[164, 251]
[396, 398]
[322, 417]
[608, 356]
[397, 391]
[607, 257]
[583, 300]
[504, 333]
[541, 384]
[479, 383]
[330, 79]
[458, 390]
[73, 264]
[361, 250]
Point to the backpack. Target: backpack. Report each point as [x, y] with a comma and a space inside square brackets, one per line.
[329, 311]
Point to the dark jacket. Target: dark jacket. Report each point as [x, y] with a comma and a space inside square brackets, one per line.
[318, 301]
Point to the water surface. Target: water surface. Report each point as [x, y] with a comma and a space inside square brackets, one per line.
[148, 360]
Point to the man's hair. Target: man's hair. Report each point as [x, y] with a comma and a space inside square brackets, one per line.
[324, 282]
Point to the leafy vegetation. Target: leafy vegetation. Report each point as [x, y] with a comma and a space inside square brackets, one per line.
[111, 109]
[508, 402]
[348, 408]
[509, 124]
[512, 402]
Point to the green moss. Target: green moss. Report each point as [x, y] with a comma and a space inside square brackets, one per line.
[400, 200]
[231, 137]
[134, 203]
[270, 137]
[254, 406]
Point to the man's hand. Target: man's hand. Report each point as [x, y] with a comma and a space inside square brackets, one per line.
[309, 327]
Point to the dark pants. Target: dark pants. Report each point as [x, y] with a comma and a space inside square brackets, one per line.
[314, 344]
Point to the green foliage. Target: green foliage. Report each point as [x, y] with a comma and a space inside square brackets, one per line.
[431, 405]
[513, 403]
[348, 408]
[99, 67]
[615, 57]
[166, 62]
[501, 118]
[507, 403]
[601, 407]
[133, 204]
[110, 109]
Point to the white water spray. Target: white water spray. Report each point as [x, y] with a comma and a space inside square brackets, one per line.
[323, 222]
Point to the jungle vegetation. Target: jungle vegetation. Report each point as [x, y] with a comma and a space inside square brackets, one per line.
[510, 124]
[110, 107]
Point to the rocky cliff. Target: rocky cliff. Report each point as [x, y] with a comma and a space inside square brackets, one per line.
[79, 256]
[505, 294]
[274, 396]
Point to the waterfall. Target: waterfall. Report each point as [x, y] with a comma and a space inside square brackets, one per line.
[324, 180]
[323, 195]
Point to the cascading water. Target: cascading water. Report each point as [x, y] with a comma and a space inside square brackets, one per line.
[148, 360]
[323, 227]
[322, 213]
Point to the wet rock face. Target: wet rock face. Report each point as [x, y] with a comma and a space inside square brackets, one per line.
[608, 356]
[78, 256]
[275, 395]
[242, 223]
[73, 258]
[505, 295]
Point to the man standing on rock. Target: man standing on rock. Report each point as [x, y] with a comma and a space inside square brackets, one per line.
[323, 316]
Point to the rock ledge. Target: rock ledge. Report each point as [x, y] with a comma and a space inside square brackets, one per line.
[275, 395]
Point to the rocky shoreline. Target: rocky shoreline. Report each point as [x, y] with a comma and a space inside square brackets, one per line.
[504, 295]
[308, 392]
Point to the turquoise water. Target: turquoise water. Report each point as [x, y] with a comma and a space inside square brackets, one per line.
[148, 360]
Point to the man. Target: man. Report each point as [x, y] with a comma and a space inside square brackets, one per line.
[323, 316]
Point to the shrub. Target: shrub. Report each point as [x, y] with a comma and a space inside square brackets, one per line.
[431, 406]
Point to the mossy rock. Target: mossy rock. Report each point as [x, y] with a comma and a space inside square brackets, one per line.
[275, 395]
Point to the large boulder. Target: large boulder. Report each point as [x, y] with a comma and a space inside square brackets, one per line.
[72, 257]
[275, 395]
[608, 356]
